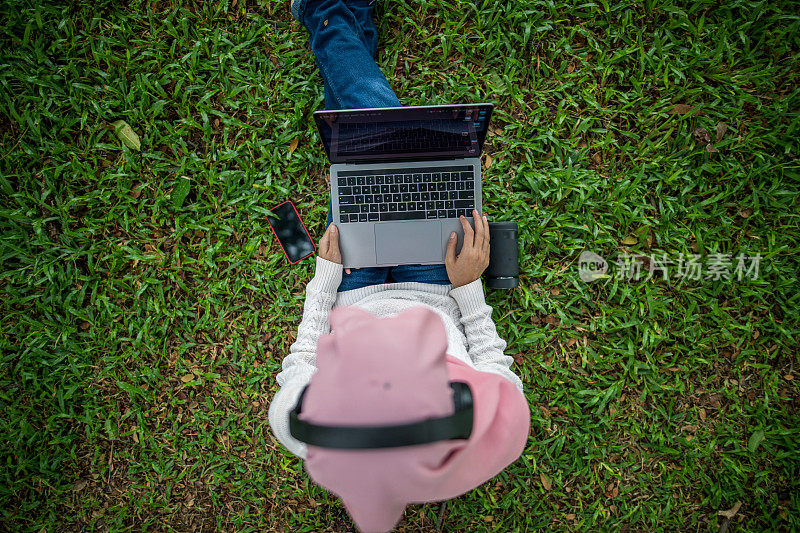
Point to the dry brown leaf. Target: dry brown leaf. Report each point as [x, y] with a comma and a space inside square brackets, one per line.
[721, 129]
[135, 435]
[701, 136]
[630, 240]
[680, 109]
[545, 482]
[136, 193]
[571, 68]
[702, 413]
[788, 377]
[730, 513]
[488, 161]
[186, 378]
[293, 146]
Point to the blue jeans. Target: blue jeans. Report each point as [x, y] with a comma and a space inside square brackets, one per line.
[344, 40]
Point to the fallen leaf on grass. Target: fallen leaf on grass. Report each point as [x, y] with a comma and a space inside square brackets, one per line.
[571, 68]
[755, 440]
[701, 136]
[730, 513]
[126, 135]
[488, 162]
[545, 482]
[630, 240]
[721, 129]
[186, 378]
[180, 192]
[680, 109]
[788, 377]
[745, 212]
[293, 146]
[552, 320]
[135, 435]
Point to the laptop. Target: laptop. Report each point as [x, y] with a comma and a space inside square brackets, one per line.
[401, 177]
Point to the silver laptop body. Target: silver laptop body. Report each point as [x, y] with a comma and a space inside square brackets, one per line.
[390, 207]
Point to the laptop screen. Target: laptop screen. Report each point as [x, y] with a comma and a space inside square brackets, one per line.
[401, 133]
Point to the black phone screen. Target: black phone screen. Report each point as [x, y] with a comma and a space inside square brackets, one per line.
[291, 232]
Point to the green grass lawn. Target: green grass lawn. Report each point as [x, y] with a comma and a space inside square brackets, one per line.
[143, 325]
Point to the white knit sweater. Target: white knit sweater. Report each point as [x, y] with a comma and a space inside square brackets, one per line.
[471, 334]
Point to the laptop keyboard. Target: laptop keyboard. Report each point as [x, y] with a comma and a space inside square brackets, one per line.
[406, 194]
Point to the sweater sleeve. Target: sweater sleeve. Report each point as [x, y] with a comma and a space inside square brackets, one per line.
[301, 363]
[484, 345]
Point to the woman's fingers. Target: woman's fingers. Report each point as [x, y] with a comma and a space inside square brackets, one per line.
[486, 233]
[469, 235]
[324, 242]
[476, 217]
[333, 239]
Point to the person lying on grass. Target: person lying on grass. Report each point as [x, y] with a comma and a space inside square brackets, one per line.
[381, 346]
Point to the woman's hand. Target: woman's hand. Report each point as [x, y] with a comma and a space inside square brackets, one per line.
[474, 256]
[329, 245]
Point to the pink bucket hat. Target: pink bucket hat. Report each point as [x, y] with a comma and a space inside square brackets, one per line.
[388, 371]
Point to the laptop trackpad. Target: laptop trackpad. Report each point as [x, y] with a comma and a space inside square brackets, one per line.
[408, 243]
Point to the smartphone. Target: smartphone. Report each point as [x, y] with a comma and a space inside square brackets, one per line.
[292, 234]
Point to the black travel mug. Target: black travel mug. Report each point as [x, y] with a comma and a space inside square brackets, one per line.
[503, 269]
